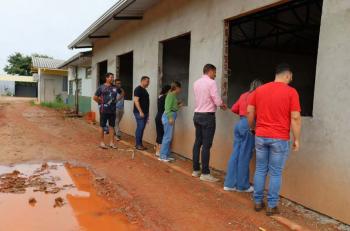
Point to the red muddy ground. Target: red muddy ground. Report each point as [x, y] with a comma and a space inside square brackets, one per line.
[153, 195]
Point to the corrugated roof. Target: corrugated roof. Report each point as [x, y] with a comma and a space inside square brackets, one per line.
[17, 78]
[122, 11]
[46, 63]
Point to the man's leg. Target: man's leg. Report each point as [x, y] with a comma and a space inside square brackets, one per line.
[103, 122]
[279, 151]
[117, 120]
[144, 122]
[245, 155]
[139, 122]
[262, 161]
[208, 131]
[111, 123]
[197, 144]
[231, 173]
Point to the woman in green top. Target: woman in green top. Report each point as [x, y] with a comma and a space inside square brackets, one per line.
[168, 119]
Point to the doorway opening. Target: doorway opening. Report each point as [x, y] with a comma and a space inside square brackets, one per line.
[175, 63]
[125, 73]
[102, 71]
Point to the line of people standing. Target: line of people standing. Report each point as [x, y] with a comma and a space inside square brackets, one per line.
[267, 114]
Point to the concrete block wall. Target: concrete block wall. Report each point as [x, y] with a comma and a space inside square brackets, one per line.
[319, 175]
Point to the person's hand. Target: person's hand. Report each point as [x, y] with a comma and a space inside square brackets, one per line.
[296, 145]
[142, 115]
[171, 121]
[180, 104]
[223, 107]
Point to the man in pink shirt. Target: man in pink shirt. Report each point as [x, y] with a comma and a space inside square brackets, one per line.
[207, 100]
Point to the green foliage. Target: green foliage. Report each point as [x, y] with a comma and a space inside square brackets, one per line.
[20, 64]
[55, 105]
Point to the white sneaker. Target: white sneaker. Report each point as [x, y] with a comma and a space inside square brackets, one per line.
[208, 178]
[157, 154]
[249, 190]
[171, 158]
[229, 189]
[196, 173]
[164, 160]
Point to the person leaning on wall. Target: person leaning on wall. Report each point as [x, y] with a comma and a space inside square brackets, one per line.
[237, 176]
[158, 119]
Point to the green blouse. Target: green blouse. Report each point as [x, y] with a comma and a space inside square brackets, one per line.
[171, 105]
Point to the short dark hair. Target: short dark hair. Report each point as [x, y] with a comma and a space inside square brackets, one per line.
[118, 80]
[175, 84]
[208, 67]
[165, 89]
[144, 77]
[107, 75]
[282, 68]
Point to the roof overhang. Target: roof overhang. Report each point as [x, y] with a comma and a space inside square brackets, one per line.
[16, 78]
[82, 59]
[48, 71]
[123, 10]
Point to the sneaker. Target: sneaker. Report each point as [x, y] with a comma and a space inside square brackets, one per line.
[229, 189]
[272, 211]
[103, 146]
[141, 148]
[171, 158]
[248, 190]
[164, 160]
[208, 178]
[157, 154]
[113, 146]
[259, 206]
[196, 173]
[117, 138]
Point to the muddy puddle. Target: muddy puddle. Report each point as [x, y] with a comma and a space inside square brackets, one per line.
[54, 197]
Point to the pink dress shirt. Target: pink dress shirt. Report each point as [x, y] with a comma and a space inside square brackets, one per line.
[206, 95]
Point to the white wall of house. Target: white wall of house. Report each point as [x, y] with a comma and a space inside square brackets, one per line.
[7, 87]
[50, 86]
[86, 80]
[319, 175]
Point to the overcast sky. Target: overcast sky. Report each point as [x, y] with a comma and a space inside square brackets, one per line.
[45, 26]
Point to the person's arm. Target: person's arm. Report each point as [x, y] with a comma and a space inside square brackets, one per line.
[170, 105]
[97, 96]
[235, 108]
[121, 94]
[251, 116]
[138, 106]
[296, 129]
[215, 96]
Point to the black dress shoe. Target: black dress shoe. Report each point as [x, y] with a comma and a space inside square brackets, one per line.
[272, 211]
[258, 207]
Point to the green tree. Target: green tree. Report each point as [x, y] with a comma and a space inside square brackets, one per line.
[20, 64]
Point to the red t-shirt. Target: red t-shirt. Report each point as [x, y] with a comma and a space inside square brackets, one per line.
[274, 103]
[240, 107]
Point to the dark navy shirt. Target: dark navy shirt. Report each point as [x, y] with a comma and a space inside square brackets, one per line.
[108, 96]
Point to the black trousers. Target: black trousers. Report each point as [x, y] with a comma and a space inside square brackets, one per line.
[159, 128]
[205, 124]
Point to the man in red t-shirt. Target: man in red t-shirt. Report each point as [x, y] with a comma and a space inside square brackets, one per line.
[275, 107]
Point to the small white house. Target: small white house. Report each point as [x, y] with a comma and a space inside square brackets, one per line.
[79, 81]
[52, 81]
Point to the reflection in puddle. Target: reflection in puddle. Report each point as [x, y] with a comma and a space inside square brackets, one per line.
[54, 197]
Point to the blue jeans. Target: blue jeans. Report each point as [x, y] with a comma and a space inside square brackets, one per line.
[140, 127]
[271, 156]
[237, 175]
[167, 137]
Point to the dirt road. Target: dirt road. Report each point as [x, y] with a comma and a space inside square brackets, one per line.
[155, 195]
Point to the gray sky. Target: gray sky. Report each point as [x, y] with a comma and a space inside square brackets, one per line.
[45, 26]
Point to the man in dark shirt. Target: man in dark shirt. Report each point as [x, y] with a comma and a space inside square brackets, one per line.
[106, 97]
[141, 110]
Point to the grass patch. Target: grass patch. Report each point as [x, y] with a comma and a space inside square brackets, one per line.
[58, 105]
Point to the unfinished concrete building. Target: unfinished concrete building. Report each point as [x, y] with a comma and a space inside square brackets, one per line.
[172, 40]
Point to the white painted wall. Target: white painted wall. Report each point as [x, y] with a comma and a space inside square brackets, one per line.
[57, 87]
[86, 80]
[319, 175]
